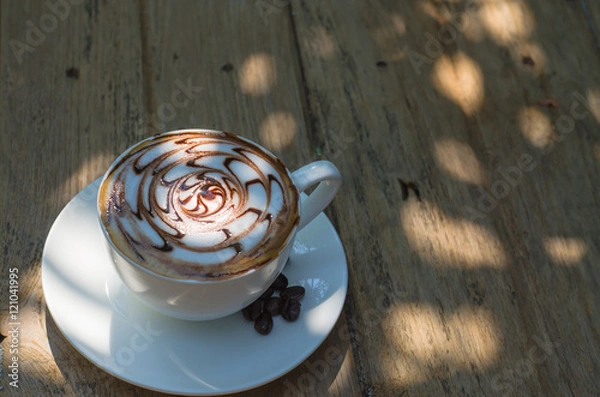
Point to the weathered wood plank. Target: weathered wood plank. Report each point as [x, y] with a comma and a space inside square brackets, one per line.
[68, 107]
[462, 293]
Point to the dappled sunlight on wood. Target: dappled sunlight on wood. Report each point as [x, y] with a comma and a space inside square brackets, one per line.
[465, 236]
[35, 356]
[460, 79]
[472, 28]
[449, 242]
[387, 35]
[535, 52]
[347, 368]
[536, 127]
[426, 342]
[439, 14]
[507, 21]
[565, 251]
[398, 23]
[90, 169]
[278, 131]
[593, 97]
[29, 294]
[257, 74]
[34, 353]
[320, 42]
[459, 160]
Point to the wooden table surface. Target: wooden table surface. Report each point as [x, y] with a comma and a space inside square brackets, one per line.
[486, 283]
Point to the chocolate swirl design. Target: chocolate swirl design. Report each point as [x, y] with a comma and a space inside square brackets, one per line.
[198, 204]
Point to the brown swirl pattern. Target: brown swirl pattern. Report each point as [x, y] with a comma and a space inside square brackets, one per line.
[198, 204]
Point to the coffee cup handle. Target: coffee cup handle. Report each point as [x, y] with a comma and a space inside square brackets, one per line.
[329, 181]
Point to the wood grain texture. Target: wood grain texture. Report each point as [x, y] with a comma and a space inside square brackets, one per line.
[485, 285]
[466, 286]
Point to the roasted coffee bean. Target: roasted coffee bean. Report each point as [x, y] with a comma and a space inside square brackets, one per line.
[267, 294]
[291, 310]
[253, 310]
[273, 306]
[294, 292]
[284, 304]
[264, 323]
[280, 283]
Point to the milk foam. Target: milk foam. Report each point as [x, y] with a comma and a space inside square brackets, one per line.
[198, 204]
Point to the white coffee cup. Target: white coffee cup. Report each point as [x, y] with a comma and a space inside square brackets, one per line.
[206, 296]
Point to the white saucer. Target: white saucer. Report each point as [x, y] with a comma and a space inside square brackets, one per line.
[118, 333]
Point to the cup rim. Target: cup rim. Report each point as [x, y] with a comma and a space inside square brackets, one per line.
[202, 280]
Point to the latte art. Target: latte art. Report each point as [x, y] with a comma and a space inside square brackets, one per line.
[198, 205]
